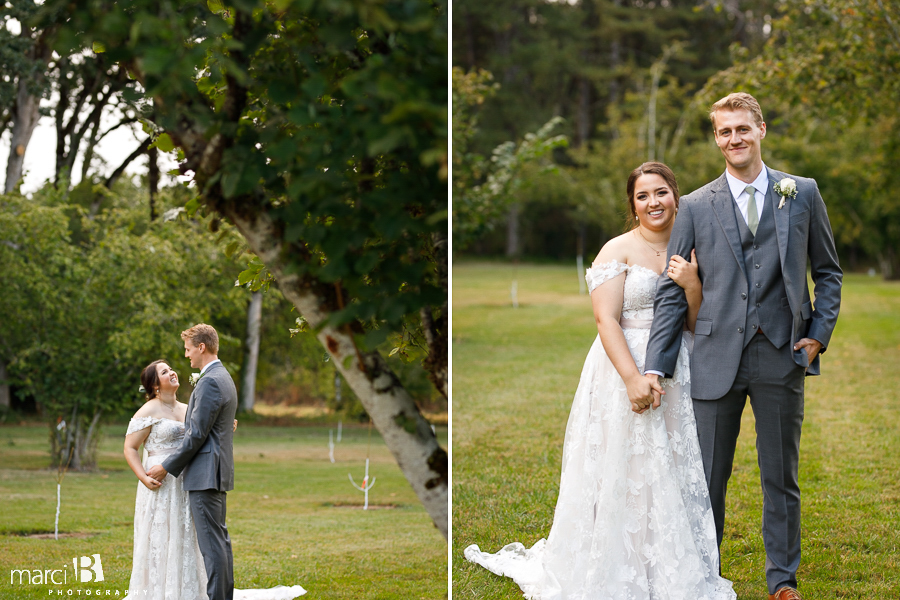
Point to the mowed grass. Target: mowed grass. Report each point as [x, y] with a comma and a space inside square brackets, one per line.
[293, 517]
[514, 375]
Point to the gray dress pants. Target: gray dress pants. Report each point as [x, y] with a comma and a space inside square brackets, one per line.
[774, 384]
[208, 510]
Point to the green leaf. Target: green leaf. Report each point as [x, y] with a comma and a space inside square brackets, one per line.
[164, 143]
[246, 276]
[231, 248]
[98, 47]
[192, 206]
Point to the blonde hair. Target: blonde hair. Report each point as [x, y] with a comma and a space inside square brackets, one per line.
[202, 334]
[737, 101]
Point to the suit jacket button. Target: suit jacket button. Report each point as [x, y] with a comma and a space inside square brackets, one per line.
[740, 330]
[758, 285]
[755, 326]
[743, 296]
[757, 266]
[755, 246]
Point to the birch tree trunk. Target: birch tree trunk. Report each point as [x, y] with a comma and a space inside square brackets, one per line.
[251, 354]
[394, 413]
[24, 123]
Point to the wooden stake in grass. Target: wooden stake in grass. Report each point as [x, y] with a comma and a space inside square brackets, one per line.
[331, 444]
[60, 474]
[366, 486]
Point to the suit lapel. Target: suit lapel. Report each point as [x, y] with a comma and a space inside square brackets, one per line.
[782, 219]
[188, 411]
[722, 204]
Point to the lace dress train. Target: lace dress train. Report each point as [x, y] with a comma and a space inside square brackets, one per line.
[633, 519]
[167, 564]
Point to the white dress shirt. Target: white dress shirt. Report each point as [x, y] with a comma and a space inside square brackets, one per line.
[208, 365]
[742, 198]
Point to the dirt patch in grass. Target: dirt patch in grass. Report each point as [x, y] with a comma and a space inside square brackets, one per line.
[49, 535]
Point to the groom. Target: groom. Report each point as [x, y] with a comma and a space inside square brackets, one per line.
[757, 332]
[205, 456]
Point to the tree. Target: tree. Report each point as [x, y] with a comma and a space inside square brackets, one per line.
[485, 189]
[319, 130]
[91, 301]
[24, 56]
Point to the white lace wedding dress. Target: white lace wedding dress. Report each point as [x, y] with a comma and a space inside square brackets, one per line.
[633, 519]
[167, 560]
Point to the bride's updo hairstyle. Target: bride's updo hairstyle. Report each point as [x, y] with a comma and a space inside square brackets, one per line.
[648, 168]
[150, 380]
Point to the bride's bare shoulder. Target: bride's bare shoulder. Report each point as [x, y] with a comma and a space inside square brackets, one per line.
[617, 249]
[149, 409]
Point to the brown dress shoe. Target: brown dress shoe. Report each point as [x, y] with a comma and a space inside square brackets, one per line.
[786, 593]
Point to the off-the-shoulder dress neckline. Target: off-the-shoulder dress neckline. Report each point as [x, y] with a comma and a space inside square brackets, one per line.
[163, 418]
[628, 266]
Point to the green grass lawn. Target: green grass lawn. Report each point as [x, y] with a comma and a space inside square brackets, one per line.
[514, 375]
[294, 517]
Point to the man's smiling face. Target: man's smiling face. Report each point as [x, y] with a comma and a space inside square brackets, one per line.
[739, 138]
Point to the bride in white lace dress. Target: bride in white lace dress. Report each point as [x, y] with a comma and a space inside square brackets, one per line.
[633, 520]
[167, 561]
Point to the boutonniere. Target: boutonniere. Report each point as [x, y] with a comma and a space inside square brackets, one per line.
[786, 188]
[195, 377]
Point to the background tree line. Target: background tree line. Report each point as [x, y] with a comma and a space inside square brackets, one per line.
[632, 81]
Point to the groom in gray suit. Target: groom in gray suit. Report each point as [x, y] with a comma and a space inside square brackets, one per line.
[206, 458]
[757, 333]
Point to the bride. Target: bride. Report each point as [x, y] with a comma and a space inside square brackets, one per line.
[633, 520]
[167, 560]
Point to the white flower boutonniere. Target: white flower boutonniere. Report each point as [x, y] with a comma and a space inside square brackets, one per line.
[195, 377]
[786, 188]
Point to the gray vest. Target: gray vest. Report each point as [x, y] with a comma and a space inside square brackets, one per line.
[767, 303]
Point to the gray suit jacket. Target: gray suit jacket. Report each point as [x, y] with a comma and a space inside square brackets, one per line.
[206, 453]
[706, 222]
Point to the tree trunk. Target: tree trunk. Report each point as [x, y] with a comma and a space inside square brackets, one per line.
[25, 121]
[75, 447]
[583, 121]
[890, 264]
[4, 385]
[435, 323]
[512, 231]
[153, 180]
[251, 352]
[394, 413]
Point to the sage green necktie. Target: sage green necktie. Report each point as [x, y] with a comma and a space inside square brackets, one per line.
[752, 213]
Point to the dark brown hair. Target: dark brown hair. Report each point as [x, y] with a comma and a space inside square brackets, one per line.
[202, 334]
[649, 168]
[150, 380]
